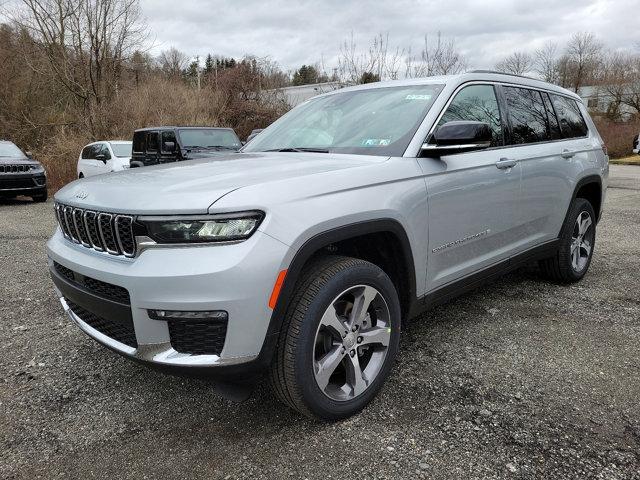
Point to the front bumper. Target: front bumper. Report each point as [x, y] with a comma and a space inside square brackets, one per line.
[22, 183]
[237, 278]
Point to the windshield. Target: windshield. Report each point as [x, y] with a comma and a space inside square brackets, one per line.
[121, 149]
[378, 121]
[10, 150]
[209, 138]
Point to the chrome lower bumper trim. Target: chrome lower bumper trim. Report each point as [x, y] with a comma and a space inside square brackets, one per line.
[160, 353]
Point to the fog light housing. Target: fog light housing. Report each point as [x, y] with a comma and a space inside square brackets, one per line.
[184, 315]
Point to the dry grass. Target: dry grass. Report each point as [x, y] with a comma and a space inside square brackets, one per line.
[630, 160]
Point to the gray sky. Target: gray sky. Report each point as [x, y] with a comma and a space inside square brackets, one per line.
[301, 31]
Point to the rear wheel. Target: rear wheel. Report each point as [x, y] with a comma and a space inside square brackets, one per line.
[339, 339]
[577, 241]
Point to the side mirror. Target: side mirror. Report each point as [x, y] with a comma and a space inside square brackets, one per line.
[169, 146]
[458, 136]
[28, 154]
[102, 157]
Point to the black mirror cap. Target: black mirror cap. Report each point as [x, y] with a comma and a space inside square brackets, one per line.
[463, 132]
[169, 146]
[102, 157]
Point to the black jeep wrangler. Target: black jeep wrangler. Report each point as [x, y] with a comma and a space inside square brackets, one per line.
[155, 145]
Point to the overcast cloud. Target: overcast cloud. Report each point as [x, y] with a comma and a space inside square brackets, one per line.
[302, 31]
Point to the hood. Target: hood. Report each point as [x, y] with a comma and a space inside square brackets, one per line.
[18, 161]
[192, 186]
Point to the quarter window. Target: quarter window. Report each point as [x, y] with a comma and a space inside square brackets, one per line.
[476, 103]
[528, 116]
[571, 122]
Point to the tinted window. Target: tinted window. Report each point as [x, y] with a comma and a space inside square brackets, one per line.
[479, 103]
[152, 142]
[104, 150]
[528, 115]
[571, 122]
[138, 141]
[168, 136]
[88, 152]
[554, 126]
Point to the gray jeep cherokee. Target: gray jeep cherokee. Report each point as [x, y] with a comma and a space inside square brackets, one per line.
[301, 256]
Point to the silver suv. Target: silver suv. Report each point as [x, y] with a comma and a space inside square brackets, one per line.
[300, 257]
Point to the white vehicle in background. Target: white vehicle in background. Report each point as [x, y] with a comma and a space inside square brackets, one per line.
[104, 157]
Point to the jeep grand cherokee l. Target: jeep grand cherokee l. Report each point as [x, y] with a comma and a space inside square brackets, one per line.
[20, 174]
[301, 256]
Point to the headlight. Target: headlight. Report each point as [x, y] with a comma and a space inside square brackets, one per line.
[202, 229]
[37, 168]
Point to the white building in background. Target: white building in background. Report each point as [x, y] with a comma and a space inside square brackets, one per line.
[296, 95]
[599, 101]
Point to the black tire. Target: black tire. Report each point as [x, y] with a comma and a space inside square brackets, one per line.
[41, 197]
[291, 375]
[559, 268]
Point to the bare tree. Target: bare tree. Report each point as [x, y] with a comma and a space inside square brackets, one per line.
[545, 62]
[518, 63]
[85, 43]
[443, 58]
[379, 61]
[583, 51]
[173, 62]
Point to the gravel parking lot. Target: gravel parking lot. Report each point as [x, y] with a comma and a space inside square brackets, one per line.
[520, 379]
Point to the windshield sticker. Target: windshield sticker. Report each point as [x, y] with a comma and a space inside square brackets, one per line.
[376, 142]
[417, 97]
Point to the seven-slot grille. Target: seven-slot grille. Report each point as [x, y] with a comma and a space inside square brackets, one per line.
[104, 232]
[15, 168]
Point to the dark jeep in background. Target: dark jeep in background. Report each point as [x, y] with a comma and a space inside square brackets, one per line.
[20, 174]
[155, 145]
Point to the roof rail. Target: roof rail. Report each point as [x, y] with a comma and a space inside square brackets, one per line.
[496, 72]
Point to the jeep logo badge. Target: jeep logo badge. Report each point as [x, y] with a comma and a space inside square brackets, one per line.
[81, 195]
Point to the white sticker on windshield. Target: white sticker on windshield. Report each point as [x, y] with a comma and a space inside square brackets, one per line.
[376, 142]
[418, 97]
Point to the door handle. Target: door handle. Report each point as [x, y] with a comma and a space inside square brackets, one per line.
[506, 163]
[566, 153]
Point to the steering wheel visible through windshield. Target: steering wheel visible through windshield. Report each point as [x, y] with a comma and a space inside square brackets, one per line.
[375, 121]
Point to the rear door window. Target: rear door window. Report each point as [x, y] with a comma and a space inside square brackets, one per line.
[138, 142]
[554, 126]
[152, 142]
[477, 103]
[572, 124]
[527, 115]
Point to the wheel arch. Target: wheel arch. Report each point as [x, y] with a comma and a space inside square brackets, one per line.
[319, 243]
[589, 188]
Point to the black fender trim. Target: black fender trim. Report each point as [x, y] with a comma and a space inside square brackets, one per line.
[312, 246]
[581, 183]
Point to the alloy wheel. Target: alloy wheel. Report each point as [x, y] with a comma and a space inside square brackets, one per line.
[581, 241]
[351, 343]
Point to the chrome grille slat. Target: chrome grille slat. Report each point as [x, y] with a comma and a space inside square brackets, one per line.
[90, 222]
[78, 222]
[68, 220]
[101, 231]
[105, 226]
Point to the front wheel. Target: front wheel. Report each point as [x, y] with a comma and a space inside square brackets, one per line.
[577, 240]
[339, 338]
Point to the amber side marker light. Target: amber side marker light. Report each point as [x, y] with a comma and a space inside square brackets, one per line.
[273, 299]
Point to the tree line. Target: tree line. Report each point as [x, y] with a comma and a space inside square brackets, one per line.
[76, 71]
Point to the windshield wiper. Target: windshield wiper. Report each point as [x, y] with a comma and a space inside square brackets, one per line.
[221, 147]
[299, 149]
